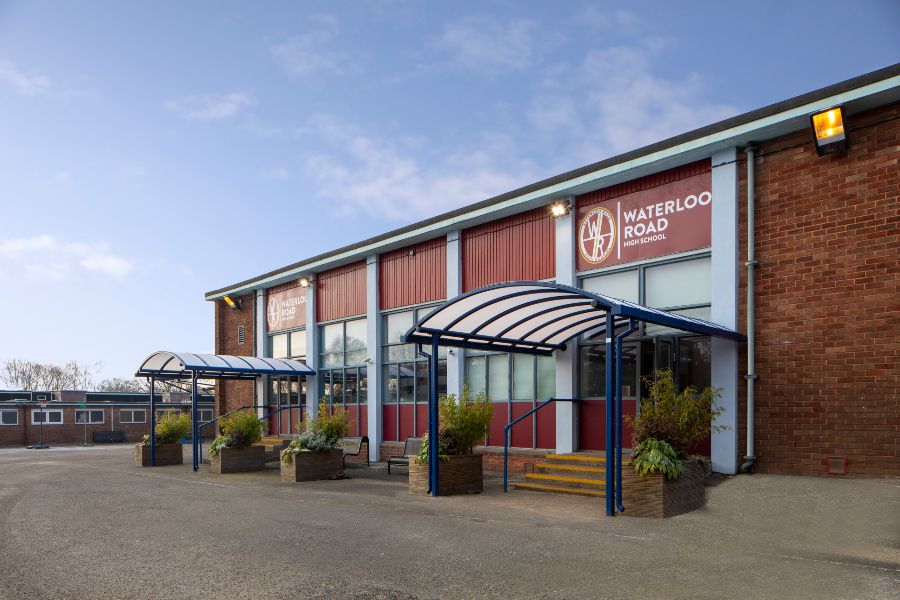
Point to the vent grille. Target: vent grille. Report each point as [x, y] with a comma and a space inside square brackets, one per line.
[836, 465]
[242, 334]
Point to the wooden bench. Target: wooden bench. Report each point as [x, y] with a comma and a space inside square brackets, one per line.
[352, 446]
[410, 448]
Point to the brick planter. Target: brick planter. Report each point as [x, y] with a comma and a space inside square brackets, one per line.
[238, 460]
[656, 496]
[313, 466]
[166, 454]
[460, 475]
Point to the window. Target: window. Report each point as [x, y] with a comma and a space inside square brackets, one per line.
[343, 375]
[88, 416]
[405, 373]
[205, 414]
[623, 285]
[291, 344]
[47, 417]
[9, 417]
[132, 415]
[683, 283]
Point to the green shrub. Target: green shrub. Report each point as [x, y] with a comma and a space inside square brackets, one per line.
[462, 425]
[238, 430]
[320, 435]
[655, 456]
[170, 428]
[682, 419]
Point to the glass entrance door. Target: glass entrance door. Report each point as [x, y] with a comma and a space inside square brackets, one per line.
[286, 397]
[592, 393]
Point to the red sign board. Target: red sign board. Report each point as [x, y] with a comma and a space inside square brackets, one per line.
[666, 219]
[286, 309]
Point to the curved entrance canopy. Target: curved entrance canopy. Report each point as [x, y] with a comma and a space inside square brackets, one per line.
[537, 317]
[184, 365]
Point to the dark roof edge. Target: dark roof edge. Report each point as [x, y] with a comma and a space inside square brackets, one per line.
[736, 121]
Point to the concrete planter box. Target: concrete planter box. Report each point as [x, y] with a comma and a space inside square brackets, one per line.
[166, 454]
[313, 466]
[460, 475]
[238, 460]
[656, 496]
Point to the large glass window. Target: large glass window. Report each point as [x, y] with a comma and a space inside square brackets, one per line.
[290, 344]
[623, 285]
[683, 283]
[343, 375]
[405, 373]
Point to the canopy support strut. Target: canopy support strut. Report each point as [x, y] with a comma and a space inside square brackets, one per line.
[152, 421]
[433, 434]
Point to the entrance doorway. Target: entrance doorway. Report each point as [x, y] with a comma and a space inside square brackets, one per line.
[287, 393]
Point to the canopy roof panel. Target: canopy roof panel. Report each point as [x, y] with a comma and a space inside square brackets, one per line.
[539, 317]
[178, 365]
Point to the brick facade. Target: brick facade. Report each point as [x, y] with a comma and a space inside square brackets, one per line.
[827, 301]
[232, 394]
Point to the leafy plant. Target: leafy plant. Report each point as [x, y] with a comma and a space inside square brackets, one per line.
[655, 456]
[170, 428]
[462, 424]
[682, 419]
[320, 435]
[238, 430]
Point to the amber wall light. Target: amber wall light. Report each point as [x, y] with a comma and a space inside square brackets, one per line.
[828, 131]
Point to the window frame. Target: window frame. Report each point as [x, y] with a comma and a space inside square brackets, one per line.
[132, 411]
[290, 333]
[59, 411]
[90, 413]
[9, 410]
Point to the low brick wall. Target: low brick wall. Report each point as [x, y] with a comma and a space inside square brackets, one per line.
[389, 449]
[166, 454]
[313, 466]
[656, 496]
[459, 475]
[238, 460]
[521, 460]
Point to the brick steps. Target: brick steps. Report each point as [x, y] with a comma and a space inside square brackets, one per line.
[534, 487]
[580, 474]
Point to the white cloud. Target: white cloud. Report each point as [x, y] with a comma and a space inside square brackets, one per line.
[211, 107]
[310, 52]
[622, 104]
[365, 174]
[24, 83]
[484, 44]
[46, 258]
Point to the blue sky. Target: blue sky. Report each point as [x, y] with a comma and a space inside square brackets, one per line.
[153, 151]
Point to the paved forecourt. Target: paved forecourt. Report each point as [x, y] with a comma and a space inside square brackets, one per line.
[79, 523]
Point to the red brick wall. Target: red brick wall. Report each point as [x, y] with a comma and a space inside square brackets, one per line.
[70, 432]
[827, 301]
[232, 394]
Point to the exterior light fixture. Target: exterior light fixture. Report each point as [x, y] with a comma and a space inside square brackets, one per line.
[560, 208]
[304, 282]
[231, 303]
[828, 130]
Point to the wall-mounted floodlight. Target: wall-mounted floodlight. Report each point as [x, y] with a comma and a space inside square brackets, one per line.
[305, 281]
[560, 208]
[828, 131]
[231, 303]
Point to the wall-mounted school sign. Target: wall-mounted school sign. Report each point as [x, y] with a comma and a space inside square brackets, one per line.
[286, 309]
[632, 222]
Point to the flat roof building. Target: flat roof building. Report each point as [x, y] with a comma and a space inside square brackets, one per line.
[812, 183]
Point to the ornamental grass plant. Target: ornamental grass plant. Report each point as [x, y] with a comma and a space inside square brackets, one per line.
[238, 430]
[323, 434]
[170, 428]
[463, 423]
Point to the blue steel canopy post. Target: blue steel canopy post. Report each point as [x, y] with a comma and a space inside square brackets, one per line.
[194, 411]
[433, 458]
[153, 421]
[631, 329]
[610, 409]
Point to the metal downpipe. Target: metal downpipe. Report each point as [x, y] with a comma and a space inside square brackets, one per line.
[751, 265]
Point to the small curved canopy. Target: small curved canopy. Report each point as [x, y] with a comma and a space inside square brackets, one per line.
[538, 317]
[179, 365]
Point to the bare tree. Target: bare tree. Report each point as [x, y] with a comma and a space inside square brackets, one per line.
[31, 375]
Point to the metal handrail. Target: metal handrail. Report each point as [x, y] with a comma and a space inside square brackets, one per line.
[509, 426]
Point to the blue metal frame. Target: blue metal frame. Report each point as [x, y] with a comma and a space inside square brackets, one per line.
[509, 426]
[434, 482]
[631, 329]
[610, 422]
[152, 421]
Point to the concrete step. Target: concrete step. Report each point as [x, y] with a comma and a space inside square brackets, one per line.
[571, 470]
[536, 487]
[561, 481]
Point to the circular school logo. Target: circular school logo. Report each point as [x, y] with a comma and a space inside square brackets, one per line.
[597, 235]
[273, 314]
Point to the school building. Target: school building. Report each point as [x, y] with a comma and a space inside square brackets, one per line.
[782, 223]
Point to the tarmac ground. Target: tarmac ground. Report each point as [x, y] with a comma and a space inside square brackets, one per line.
[87, 523]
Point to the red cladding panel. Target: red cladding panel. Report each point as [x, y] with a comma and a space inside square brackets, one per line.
[546, 427]
[520, 247]
[341, 292]
[389, 419]
[414, 274]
